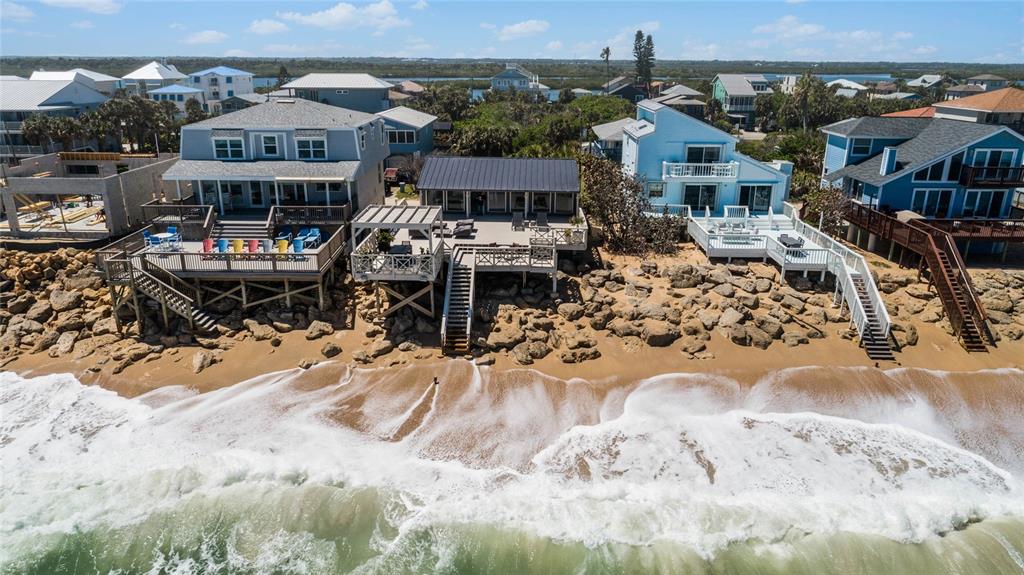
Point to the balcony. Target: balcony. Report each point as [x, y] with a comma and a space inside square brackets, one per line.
[997, 177]
[709, 171]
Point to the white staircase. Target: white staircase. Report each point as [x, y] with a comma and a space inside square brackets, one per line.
[456, 322]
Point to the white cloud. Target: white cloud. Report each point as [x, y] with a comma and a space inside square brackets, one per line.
[789, 26]
[621, 43]
[324, 49]
[237, 53]
[902, 35]
[487, 26]
[83, 25]
[925, 50]
[554, 46]
[523, 29]
[15, 12]
[176, 26]
[796, 1]
[698, 50]
[206, 37]
[94, 6]
[267, 26]
[420, 5]
[379, 16]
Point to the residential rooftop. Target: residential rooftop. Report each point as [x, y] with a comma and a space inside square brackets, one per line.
[408, 116]
[875, 127]
[155, 71]
[222, 71]
[611, 131]
[288, 113]
[925, 112]
[176, 89]
[347, 81]
[1004, 100]
[500, 174]
[70, 75]
[38, 95]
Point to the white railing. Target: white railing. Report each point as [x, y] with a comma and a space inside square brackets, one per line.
[681, 210]
[719, 170]
[561, 237]
[803, 258]
[369, 263]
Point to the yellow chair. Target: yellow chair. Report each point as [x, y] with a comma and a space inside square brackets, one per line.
[282, 246]
[236, 246]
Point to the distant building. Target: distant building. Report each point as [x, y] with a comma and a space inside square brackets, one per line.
[682, 161]
[608, 139]
[102, 83]
[361, 92]
[515, 77]
[410, 88]
[151, 77]
[1003, 107]
[615, 82]
[179, 95]
[988, 82]
[925, 112]
[935, 167]
[681, 90]
[684, 103]
[630, 92]
[409, 132]
[220, 83]
[926, 81]
[897, 96]
[962, 91]
[885, 88]
[737, 92]
[843, 83]
[240, 101]
[20, 99]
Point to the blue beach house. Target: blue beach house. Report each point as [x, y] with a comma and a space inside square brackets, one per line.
[360, 92]
[936, 167]
[409, 132]
[179, 95]
[683, 161]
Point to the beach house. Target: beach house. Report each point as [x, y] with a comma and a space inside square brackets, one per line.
[102, 83]
[359, 92]
[20, 99]
[410, 133]
[988, 82]
[151, 77]
[683, 161]
[736, 93]
[219, 83]
[179, 95]
[283, 152]
[1003, 107]
[515, 77]
[607, 142]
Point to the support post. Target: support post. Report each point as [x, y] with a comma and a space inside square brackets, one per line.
[177, 188]
[320, 294]
[851, 230]
[892, 249]
[220, 199]
[872, 241]
[287, 294]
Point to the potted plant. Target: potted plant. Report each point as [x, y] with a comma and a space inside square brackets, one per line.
[384, 239]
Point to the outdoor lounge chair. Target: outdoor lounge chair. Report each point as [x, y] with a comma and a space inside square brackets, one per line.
[542, 220]
[462, 231]
[287, 236]
[518, 223]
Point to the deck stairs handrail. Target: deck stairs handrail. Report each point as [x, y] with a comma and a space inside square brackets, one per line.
[457, 317]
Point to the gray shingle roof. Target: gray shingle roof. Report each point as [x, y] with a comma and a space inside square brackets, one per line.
[408, 116]
[288, 113]
[611, 131]
[680, 90]
[877, 127]
[737, 84]
[262, 170]
[349, 81]
[500, 174]
[938, 138]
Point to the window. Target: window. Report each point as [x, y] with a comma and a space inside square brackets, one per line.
[495, 201]
[956, 164]
[181, 98]
[993, 158]
[228, 148]
[757, 198]
[931, 203]
[456, 201]
[196, 80]
[932, 173]
[311, 149]
[231, 93]
[983, 204]
[227, 80]
[362, 139]
[269, 145]
[699, 196]
[564, 203]
[401, 137]
[703, 154]
[656, 189]
[860, 147]
[341, 91]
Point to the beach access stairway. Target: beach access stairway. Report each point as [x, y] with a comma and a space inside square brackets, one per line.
[939, 254]
[738, 234]
[457, 321]
[145, 278]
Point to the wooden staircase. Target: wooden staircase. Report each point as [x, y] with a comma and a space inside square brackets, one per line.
[179, 298]
[241, 229]
[456, 323]
[873, 340]
[939, 254]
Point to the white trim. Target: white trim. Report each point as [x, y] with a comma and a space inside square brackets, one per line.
[927, 191]
[871, 142]
[298, 154]
[903, 173]
[1013, 157]
[213, 146]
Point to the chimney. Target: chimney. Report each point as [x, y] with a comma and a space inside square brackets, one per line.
[888, 161]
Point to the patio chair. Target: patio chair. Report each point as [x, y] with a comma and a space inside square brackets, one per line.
[518, 223]
[298, 246]
[207, 245]
[542, 220]
[222, 246]
[254, 246]
[462, 231]
[282, 246]
[312, 237]
[287, 236]
[151, 241]
[175, 236]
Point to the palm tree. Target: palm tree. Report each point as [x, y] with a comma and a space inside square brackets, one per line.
[606, 54]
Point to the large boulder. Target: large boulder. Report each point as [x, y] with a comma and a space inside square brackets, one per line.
[656, 333]
[623, 327]
[601, 318]
[318, 329]
[571, 311]
[330, 349]
[758, 338]
[578, 339]
[40, 311]
[506, 337]
[769, 325]
[578, 355]
[525, 353]
[731, 317]
[258, 330]
[380, 347]
[65, 344]
[202, 360]
[61, 300]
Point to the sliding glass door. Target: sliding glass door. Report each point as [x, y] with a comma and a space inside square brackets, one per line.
[757, 198]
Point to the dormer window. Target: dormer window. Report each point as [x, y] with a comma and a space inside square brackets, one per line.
[228, 149]
[860, 146]
[311, 149]
[269, 145]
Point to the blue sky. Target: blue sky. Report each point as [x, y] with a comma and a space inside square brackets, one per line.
[810, 30]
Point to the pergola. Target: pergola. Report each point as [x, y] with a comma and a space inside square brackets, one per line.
[368, 263]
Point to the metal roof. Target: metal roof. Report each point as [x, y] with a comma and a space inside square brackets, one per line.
[175, 89]
[288, 113]
[222, 71]
[938, 138]
[70, 75]
[680, 90]
[271, 170]
[500, 174]
[39, 95]
[612, 131]
[350, 81]
[408, 116]
[736, 85]
[155, 71]
[402, 216]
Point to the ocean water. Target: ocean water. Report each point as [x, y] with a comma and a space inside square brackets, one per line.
[812, 471]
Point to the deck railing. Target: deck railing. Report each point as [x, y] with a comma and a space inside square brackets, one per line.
[574, 237]
[717, 170]
[302, 215]
[194, 222]
[537, 257]
[998, 176]
[369, 263]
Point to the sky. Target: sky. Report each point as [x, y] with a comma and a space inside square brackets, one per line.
[803, 30]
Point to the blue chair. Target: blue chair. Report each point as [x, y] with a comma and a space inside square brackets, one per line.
[222, 246]
[298, 246]
[151, 241]
[285, 236]
[313, 237]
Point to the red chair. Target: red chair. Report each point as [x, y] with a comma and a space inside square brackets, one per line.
[207, 245]
[254, 246]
